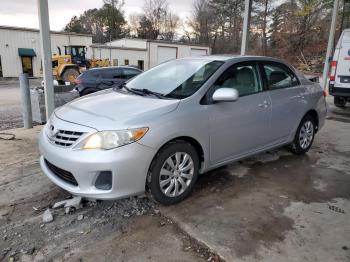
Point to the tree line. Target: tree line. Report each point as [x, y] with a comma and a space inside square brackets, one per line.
[295, 30]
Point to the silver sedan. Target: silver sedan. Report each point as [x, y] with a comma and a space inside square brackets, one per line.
[162, 129]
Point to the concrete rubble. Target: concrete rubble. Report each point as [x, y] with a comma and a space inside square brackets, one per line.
[47, 216]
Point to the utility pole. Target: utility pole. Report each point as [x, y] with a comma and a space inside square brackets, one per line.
[330, 44]
[246, 26]
[45, 41]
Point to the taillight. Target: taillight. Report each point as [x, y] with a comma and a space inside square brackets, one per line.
[333, 70]
[77, 81]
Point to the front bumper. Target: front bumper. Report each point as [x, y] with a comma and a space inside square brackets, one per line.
[128, 164]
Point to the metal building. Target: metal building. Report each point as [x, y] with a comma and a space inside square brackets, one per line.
[20, 49]
[145, 53]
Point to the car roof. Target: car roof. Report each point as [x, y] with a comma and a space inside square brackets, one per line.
[226, 57]
[114, 67]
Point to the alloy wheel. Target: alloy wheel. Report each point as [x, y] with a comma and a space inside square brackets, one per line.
[306, 134]
[176, 174]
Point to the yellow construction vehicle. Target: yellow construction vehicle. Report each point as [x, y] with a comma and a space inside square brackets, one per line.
[67, 67]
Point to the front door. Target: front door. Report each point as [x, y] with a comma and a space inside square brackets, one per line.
[241, 127]
[27, 65]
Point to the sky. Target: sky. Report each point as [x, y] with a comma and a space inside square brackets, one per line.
[23, 13]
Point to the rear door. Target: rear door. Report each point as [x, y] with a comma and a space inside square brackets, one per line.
[111, 77]
[342, 78]
[90, 78]
[287, 97]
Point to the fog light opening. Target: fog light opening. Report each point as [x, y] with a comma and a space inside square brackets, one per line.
[104, 180]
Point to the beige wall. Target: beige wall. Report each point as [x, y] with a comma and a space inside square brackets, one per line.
[182, 51]
[120, 54]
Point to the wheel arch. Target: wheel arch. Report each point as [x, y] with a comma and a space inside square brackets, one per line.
[194, 142]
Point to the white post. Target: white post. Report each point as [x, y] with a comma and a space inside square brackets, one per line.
[45, 41]
[330, 44]
[246, 26]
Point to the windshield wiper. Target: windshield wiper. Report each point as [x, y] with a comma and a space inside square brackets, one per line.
[149, 92]
[130, 90]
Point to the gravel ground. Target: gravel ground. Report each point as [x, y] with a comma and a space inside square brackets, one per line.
[10, 103]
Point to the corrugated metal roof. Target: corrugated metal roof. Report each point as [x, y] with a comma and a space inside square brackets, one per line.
[25, 29]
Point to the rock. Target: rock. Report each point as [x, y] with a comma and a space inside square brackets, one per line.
[73, 202]
[47, 216]
[80, 217]
[59, 204]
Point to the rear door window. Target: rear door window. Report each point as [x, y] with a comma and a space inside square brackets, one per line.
[279, 76]
[112, 74]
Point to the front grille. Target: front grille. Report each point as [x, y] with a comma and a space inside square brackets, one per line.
[65, 138]
[63, 174]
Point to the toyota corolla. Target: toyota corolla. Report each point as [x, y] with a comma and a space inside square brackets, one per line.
[162, 129]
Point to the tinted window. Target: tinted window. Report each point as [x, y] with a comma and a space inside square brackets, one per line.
[130, 73]
[279, 76]
[112, 74]
[243, 77]
[90, 74]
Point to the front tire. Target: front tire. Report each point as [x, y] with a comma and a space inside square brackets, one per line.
[173, 173]
[304, 136]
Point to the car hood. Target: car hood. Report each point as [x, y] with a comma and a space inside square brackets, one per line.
[107, 110]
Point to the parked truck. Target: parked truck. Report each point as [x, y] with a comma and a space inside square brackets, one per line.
[339, 78]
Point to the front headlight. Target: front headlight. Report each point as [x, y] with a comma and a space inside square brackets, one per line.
[112, 139]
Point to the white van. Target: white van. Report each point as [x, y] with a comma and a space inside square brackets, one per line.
[339, 78]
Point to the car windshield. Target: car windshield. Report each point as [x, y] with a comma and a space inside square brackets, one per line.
[176, 79]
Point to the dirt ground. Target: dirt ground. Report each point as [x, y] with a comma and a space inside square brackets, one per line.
[10, 103]
[272, 207]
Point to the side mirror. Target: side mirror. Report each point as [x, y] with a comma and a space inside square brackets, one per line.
[225, 95]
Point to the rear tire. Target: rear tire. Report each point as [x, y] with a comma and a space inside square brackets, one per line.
[70, 74]
[339, 101]
[304, 136]
[173, 173]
